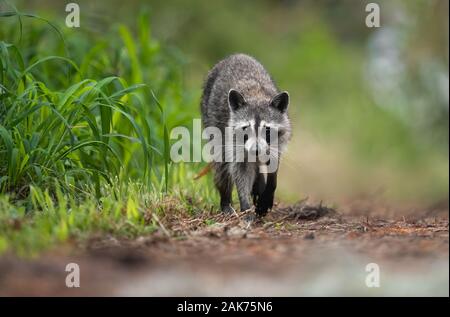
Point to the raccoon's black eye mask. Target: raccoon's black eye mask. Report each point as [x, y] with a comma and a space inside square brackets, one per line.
[267, 129]
[281, 132]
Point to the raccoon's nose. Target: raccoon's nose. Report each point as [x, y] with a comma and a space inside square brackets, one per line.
[257, 148]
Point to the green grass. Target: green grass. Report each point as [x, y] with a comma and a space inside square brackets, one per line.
[125, 210]
[84, 134]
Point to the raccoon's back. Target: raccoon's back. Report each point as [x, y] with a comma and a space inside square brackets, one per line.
[240, 72]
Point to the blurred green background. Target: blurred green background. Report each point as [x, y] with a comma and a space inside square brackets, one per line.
[369, 105]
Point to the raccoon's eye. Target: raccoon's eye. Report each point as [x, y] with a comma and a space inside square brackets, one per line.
[267, 134]
[244, 133]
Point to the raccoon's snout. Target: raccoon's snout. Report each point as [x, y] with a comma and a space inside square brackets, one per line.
[256, 146]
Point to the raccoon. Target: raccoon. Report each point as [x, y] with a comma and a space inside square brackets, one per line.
[240, 95]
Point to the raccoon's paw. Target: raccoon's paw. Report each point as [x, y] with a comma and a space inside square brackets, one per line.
[261, 211]
[245, 207]
[264, 204]
[250, 218]
[228, 210]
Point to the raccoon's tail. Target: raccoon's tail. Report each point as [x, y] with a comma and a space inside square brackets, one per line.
[204, 171]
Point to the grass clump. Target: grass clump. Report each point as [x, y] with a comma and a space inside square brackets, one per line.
[84, 133]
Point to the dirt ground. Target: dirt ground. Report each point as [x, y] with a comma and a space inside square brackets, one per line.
[299, 250]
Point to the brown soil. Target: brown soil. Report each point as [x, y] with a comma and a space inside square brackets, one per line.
[297, 250]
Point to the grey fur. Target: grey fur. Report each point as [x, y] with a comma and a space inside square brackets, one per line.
[240, 79]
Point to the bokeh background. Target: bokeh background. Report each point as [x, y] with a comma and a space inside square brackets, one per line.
[84, 166]
[369, 105]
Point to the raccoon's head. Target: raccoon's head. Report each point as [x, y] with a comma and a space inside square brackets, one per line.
[261, 125]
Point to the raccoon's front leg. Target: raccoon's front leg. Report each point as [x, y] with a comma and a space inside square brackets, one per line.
[264, 201]
[244, 175]
[224, 184]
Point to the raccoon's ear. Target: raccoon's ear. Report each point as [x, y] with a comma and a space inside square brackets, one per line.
[280, 101]
[235, 100]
